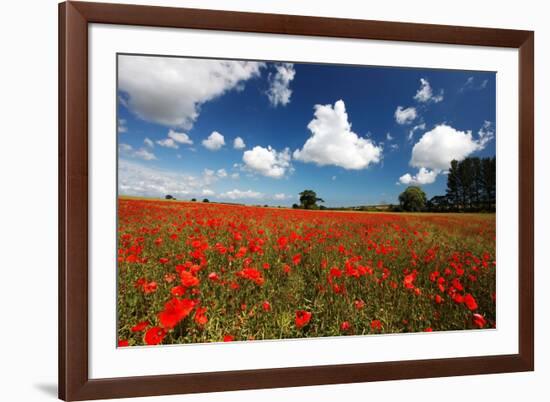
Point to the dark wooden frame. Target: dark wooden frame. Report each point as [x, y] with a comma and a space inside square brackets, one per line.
[74, 18]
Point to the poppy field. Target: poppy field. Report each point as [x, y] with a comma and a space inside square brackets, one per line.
[191, 272]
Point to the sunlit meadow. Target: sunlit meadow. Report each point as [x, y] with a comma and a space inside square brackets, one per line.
[192, 272]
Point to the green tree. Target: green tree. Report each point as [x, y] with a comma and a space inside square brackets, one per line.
[438, 203]
[205, 200]
[467, 178]
[488, 174]
[412, 199]
[453, 185]
[478, 183]
[471, 184]
[309, 199]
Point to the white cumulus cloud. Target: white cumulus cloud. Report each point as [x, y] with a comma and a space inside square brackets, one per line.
[472, 85]
[238, 143]
[214, 141]
[425, 93]
[421, 126]
[171, 90]
[168, 143]
[435, 150]
[181, 138]
[125, 148]
[122, 127]
[486, 133]
[281, 196]
[144, 154]
[148, 142]
[141, 153]
[279, 91]
[174, 138]
[239, 195]
[140, 180]
[267, 161]
[405, 116]
[424, 176]
[438, 147]
[333, 143]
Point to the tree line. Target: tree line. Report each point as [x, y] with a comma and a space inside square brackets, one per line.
[471, 184]
[471, 187]
[309, 200]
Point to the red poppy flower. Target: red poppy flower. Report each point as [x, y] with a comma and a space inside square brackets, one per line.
[408, 281]
[376, 324]
[438, 299]
[334, 273]
[228, 338]
[174, 311]
[479, 321]
[302, 318]
[283, 241]
[266, 306]
[296, 259]
[470, 302]
[178, 291]
[154, 336]
[359, 304]
[140, 326]
[140, 282]
[429, 329]
[164, 260]
[213, 276]
[150, 287]
[458, 298]
[132, 258]
[122, 343]
[188, 279]
[252, 274]
[457, 285]
[345, 326]
[200, 316]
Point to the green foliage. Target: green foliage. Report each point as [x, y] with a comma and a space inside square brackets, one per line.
[413, 199]
[471, 185]
[309, 199]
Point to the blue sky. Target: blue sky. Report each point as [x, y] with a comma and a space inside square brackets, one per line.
[355, 134]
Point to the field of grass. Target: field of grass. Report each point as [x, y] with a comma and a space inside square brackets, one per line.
[196, 272]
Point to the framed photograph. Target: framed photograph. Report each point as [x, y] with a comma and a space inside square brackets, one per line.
[258, 200]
